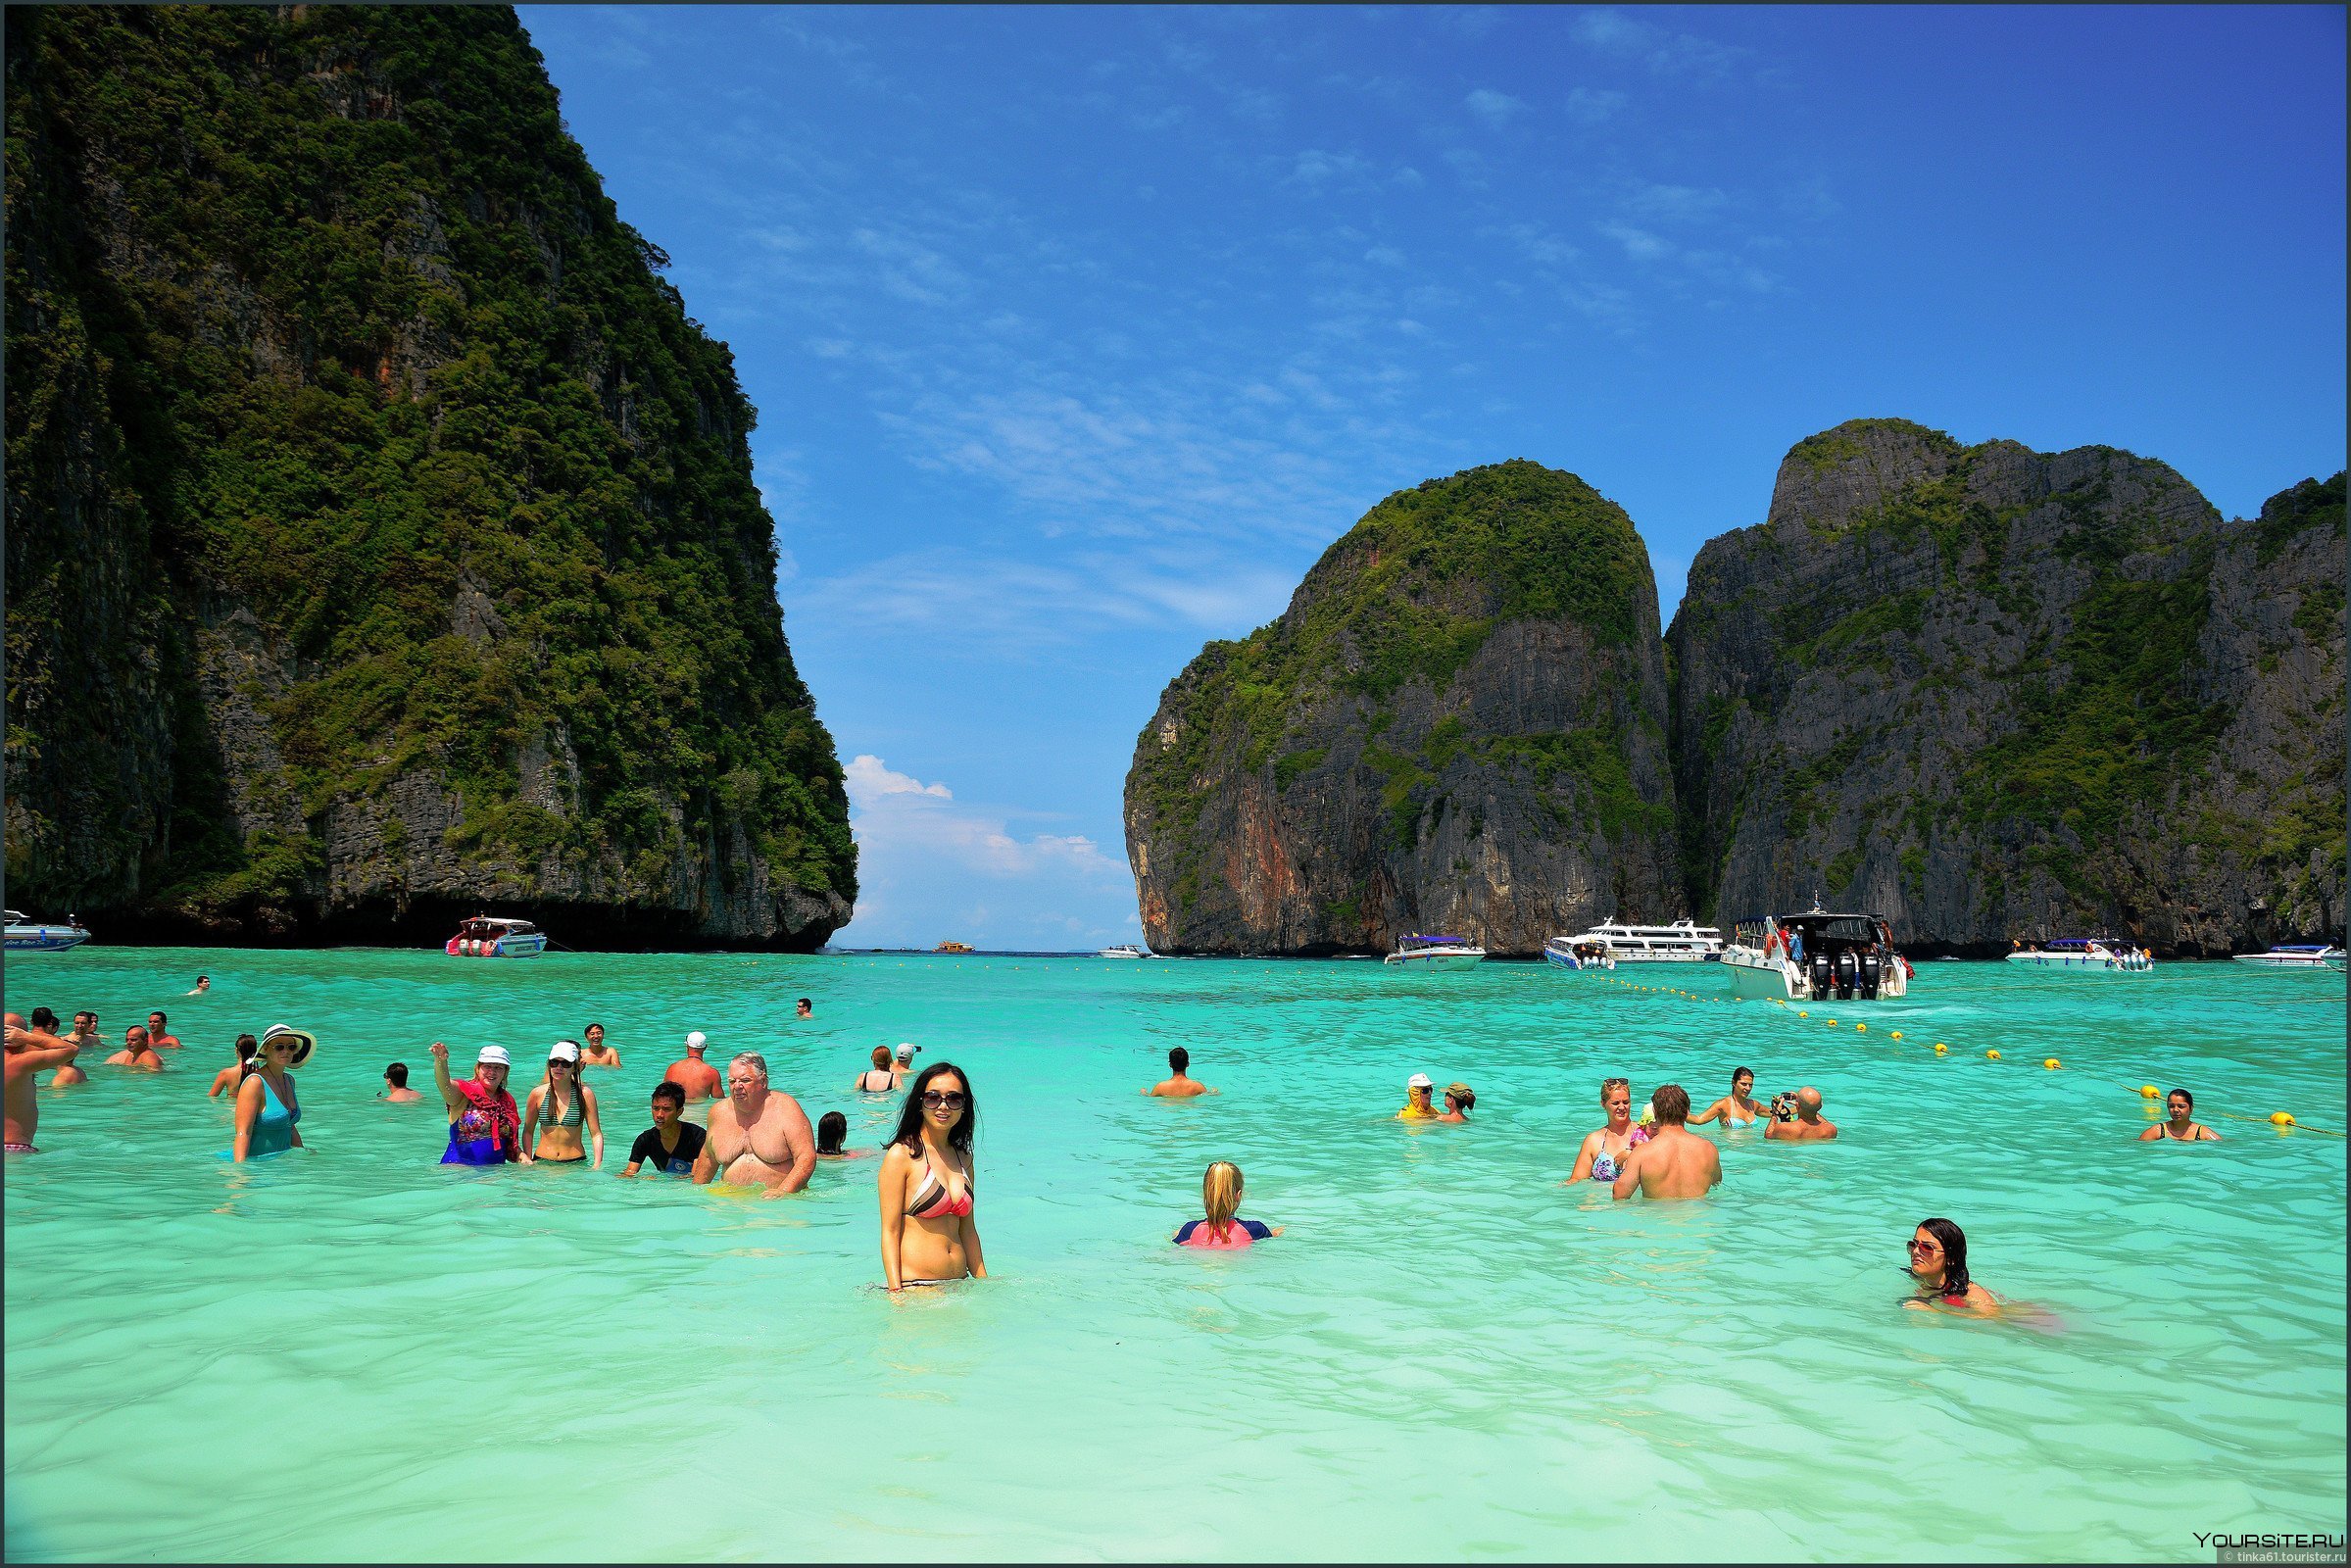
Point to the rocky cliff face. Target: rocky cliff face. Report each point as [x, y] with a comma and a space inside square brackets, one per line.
[1457, 726]
[1986, 691]
[381, 539]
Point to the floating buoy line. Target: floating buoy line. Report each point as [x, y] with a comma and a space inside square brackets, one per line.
[2282, 1120]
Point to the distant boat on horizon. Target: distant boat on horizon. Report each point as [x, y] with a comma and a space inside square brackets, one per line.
[952, 947]
[1436, 953]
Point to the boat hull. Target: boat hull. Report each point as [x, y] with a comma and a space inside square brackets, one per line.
[1757, 978]
[44, 938]
[2292, 960]
[2075, 964]
[504, 948]
[1436, 961]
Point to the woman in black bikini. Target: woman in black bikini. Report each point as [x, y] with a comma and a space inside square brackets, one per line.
[878, 1079]
[2182, 1127]
[929, 1236]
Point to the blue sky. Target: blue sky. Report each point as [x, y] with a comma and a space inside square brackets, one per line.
[1077, 334]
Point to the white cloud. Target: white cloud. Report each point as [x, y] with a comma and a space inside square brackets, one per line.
[1496, 109]
[868, 780]
[1639, 243]
[1665, 52]
[1591, 105]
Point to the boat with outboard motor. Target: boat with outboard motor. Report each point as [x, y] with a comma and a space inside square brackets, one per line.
[491, 936]
[2296, 956]
[1818, 955]
[1124, 949]
[41, 936]
[2083, 955]
[1436, 953]
[1683, 941]
[1579, 952]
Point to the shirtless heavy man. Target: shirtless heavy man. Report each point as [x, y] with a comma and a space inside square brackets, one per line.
[697, 1077]
[30, 1050]
[136, 1051]
[759, 1136]
[1674, 1162]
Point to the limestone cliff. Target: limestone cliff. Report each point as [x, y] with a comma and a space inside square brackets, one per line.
[1987, 691]
[1457, 726]
[380, 533]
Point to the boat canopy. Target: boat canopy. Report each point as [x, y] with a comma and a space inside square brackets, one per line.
[1441, 942]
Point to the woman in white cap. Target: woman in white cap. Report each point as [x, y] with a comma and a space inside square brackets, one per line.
[483, 1126]
[1418, 1090]
[267, 1110]
[559, 1108]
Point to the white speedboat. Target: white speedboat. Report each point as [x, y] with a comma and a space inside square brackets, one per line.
[1579, 952]
[2288, 956]
[2083, 955]
[1123, 951]
[1683, 941]
[1816, 956]
[489, 936]
[39, 935]
[1436, 953]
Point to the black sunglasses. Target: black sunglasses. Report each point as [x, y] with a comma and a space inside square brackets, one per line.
[942, 1099]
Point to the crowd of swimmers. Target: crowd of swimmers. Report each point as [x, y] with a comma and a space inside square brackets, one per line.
[758, 1136]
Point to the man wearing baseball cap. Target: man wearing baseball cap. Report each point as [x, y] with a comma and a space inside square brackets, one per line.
[697, 1077]
[1417, 1088]
[485, 1127]
[902, 1066]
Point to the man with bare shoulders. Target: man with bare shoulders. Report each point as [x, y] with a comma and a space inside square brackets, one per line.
[697, 1077]
[136, 1053]
[30, 1050]
[759, 1136]
[159, 1037]
[1178, 1084]
[1809, 1124]
[1674, 1162]
[68, 1073]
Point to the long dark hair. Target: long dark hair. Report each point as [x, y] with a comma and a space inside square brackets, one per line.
[909, 1115]
[1954, 1245]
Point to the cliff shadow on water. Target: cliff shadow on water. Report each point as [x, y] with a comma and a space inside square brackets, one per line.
[381, 538]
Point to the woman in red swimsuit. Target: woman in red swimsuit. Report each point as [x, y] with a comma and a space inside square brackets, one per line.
[929, 1236]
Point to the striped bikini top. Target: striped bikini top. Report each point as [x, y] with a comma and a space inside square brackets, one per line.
[934, 1199]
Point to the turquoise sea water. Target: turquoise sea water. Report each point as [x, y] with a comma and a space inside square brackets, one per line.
[352, 1351]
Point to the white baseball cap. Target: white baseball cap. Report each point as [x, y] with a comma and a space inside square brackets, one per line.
[492, 1056]
[1419, 1080]
[697, 1040]
[907, 1049]
[563, 1050]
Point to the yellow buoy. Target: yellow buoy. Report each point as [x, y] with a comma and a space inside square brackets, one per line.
[1833, 1024]
[2050, 1062]
[1940, 1050]
[2146, 1092]
[1862, 1028]
[1897, 1033]
[1994, 1055]
[2282, 1119]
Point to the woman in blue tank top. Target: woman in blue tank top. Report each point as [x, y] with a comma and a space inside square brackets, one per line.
[267, 1107]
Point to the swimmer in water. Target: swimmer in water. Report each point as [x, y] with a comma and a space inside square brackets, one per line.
[832, 1133]
[268, 1115]
[597, 1054]
[2182, 1126]
[902, 1064]
[1938, 1265]
[396, 1089]
[697, 1077]
[759, 1135]
[560, 1109]
[159, 1037]
[878, 1079]
[1459, 1099]
[1418, 1090]
[1220, 1196]
[229, 1077]
[804, 1009]
[1178, 1084]
[137, 1054]
[1674, 1162]
[1807, 1125]
[30, 1050]
[68, 1072]
[204, 983]
[1737, 1109]
[929, 1185]
[1604, 1150]
[673, 1145]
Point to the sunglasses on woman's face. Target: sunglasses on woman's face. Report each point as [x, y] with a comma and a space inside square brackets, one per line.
[1925, 1247]
[934, 1099]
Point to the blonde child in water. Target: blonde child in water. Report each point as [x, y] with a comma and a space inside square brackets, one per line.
[1220, 1194]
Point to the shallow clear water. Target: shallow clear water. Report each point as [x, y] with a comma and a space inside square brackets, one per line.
[356, 1353]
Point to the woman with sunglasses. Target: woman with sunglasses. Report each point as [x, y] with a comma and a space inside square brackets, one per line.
[267, 1110]
[1603, 1152]
[929, 1236]
[1938, 1263]
[559, 1108]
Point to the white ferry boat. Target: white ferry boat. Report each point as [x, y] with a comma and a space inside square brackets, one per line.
[2288, 956]
[1124, 949]
[2083, 955]
[489, 936]
[1816, 956]
[1579, 952]
[39, 935]
[1683, 941]
[1436, 953]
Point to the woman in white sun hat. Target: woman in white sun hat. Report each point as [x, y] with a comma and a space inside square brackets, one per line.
[559, 1108]
[267, 1111]
[484, 1128]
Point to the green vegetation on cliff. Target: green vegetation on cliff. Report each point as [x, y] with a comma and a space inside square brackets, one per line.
[322, 314]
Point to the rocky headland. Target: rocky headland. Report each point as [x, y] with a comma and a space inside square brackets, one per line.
[381, 540]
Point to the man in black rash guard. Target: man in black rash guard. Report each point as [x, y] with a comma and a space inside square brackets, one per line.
[672, 1144]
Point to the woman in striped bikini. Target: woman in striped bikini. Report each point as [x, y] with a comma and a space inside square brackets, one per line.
[929, 1236]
